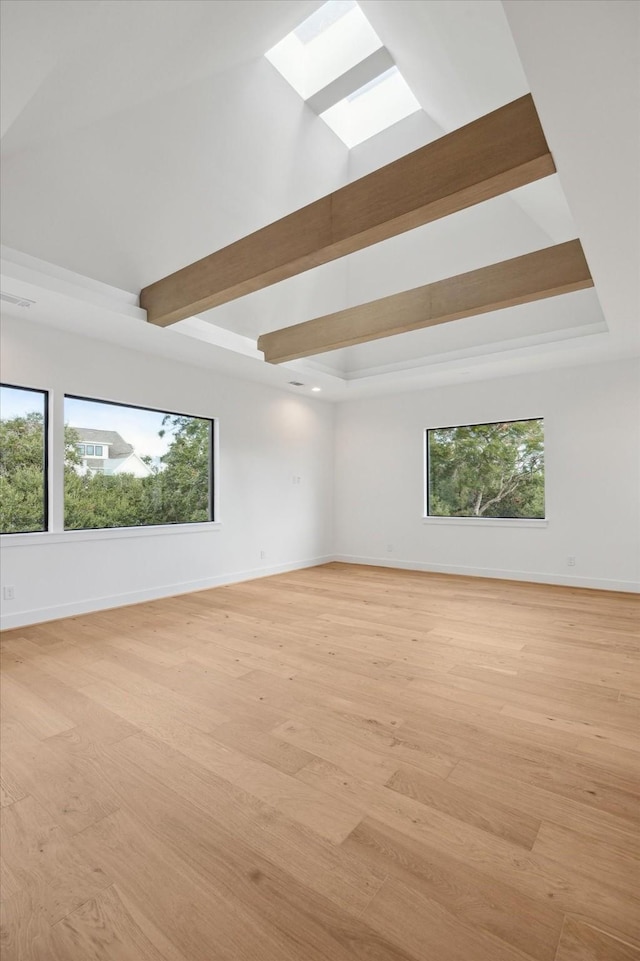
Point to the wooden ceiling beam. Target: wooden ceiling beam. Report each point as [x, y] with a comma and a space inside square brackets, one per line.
[501, 151]
[544, 273]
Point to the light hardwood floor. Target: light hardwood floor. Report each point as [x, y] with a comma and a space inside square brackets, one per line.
[338, 763]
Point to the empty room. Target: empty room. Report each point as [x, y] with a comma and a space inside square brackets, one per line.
[320, 480]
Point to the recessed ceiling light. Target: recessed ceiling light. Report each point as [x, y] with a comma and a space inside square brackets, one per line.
[316, 388]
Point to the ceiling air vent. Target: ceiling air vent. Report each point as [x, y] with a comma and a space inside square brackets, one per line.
[296, 383]
[16, 301]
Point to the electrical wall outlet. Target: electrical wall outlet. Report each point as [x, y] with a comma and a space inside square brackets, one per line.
[571, 561]
[263, 555]
[9, 593]
[389, 548]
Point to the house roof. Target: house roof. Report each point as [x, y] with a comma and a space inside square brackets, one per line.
[117, 464]
[200, 142]
[118, 447]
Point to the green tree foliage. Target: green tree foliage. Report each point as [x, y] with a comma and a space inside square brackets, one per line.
[487, 470]
[99, 501]
[177, 493]
[22, 489]
[184, 483]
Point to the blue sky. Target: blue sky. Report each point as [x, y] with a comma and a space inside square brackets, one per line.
[15, 402]
[137, 427]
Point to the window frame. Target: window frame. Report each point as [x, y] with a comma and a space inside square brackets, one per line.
[45, 460]
[474, 519]
[164, 525]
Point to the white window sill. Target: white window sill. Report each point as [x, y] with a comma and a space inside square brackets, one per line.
[44, 538]
[487, 522]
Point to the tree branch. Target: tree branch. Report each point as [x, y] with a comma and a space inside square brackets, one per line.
[505, 489]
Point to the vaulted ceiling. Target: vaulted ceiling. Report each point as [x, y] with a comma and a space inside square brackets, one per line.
[139, 137]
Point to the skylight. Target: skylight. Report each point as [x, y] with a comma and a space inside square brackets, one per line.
[337, 63]
[323, 18]
[327, 44]
[374, 107]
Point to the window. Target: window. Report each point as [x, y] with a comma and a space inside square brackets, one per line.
[324, 46]
[23, 459]
[486, 470]
[374, 107]
[339, 66]
[81, 449]
[159, 468]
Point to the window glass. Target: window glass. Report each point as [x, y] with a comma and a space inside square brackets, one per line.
[159, 468]
[23, 460]
[486, 470]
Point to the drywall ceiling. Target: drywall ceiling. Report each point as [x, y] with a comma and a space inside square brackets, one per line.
[141, 136]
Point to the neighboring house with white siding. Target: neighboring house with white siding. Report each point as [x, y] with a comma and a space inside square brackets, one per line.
[106, 452]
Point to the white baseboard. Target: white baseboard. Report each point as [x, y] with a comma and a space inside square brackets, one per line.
[535, 577]
[25, 618]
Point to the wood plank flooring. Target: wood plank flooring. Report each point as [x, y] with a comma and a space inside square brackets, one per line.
[335, 764]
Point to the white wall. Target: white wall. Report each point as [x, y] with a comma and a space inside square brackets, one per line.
[266, 437]
[592, 479]
[375, 478]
